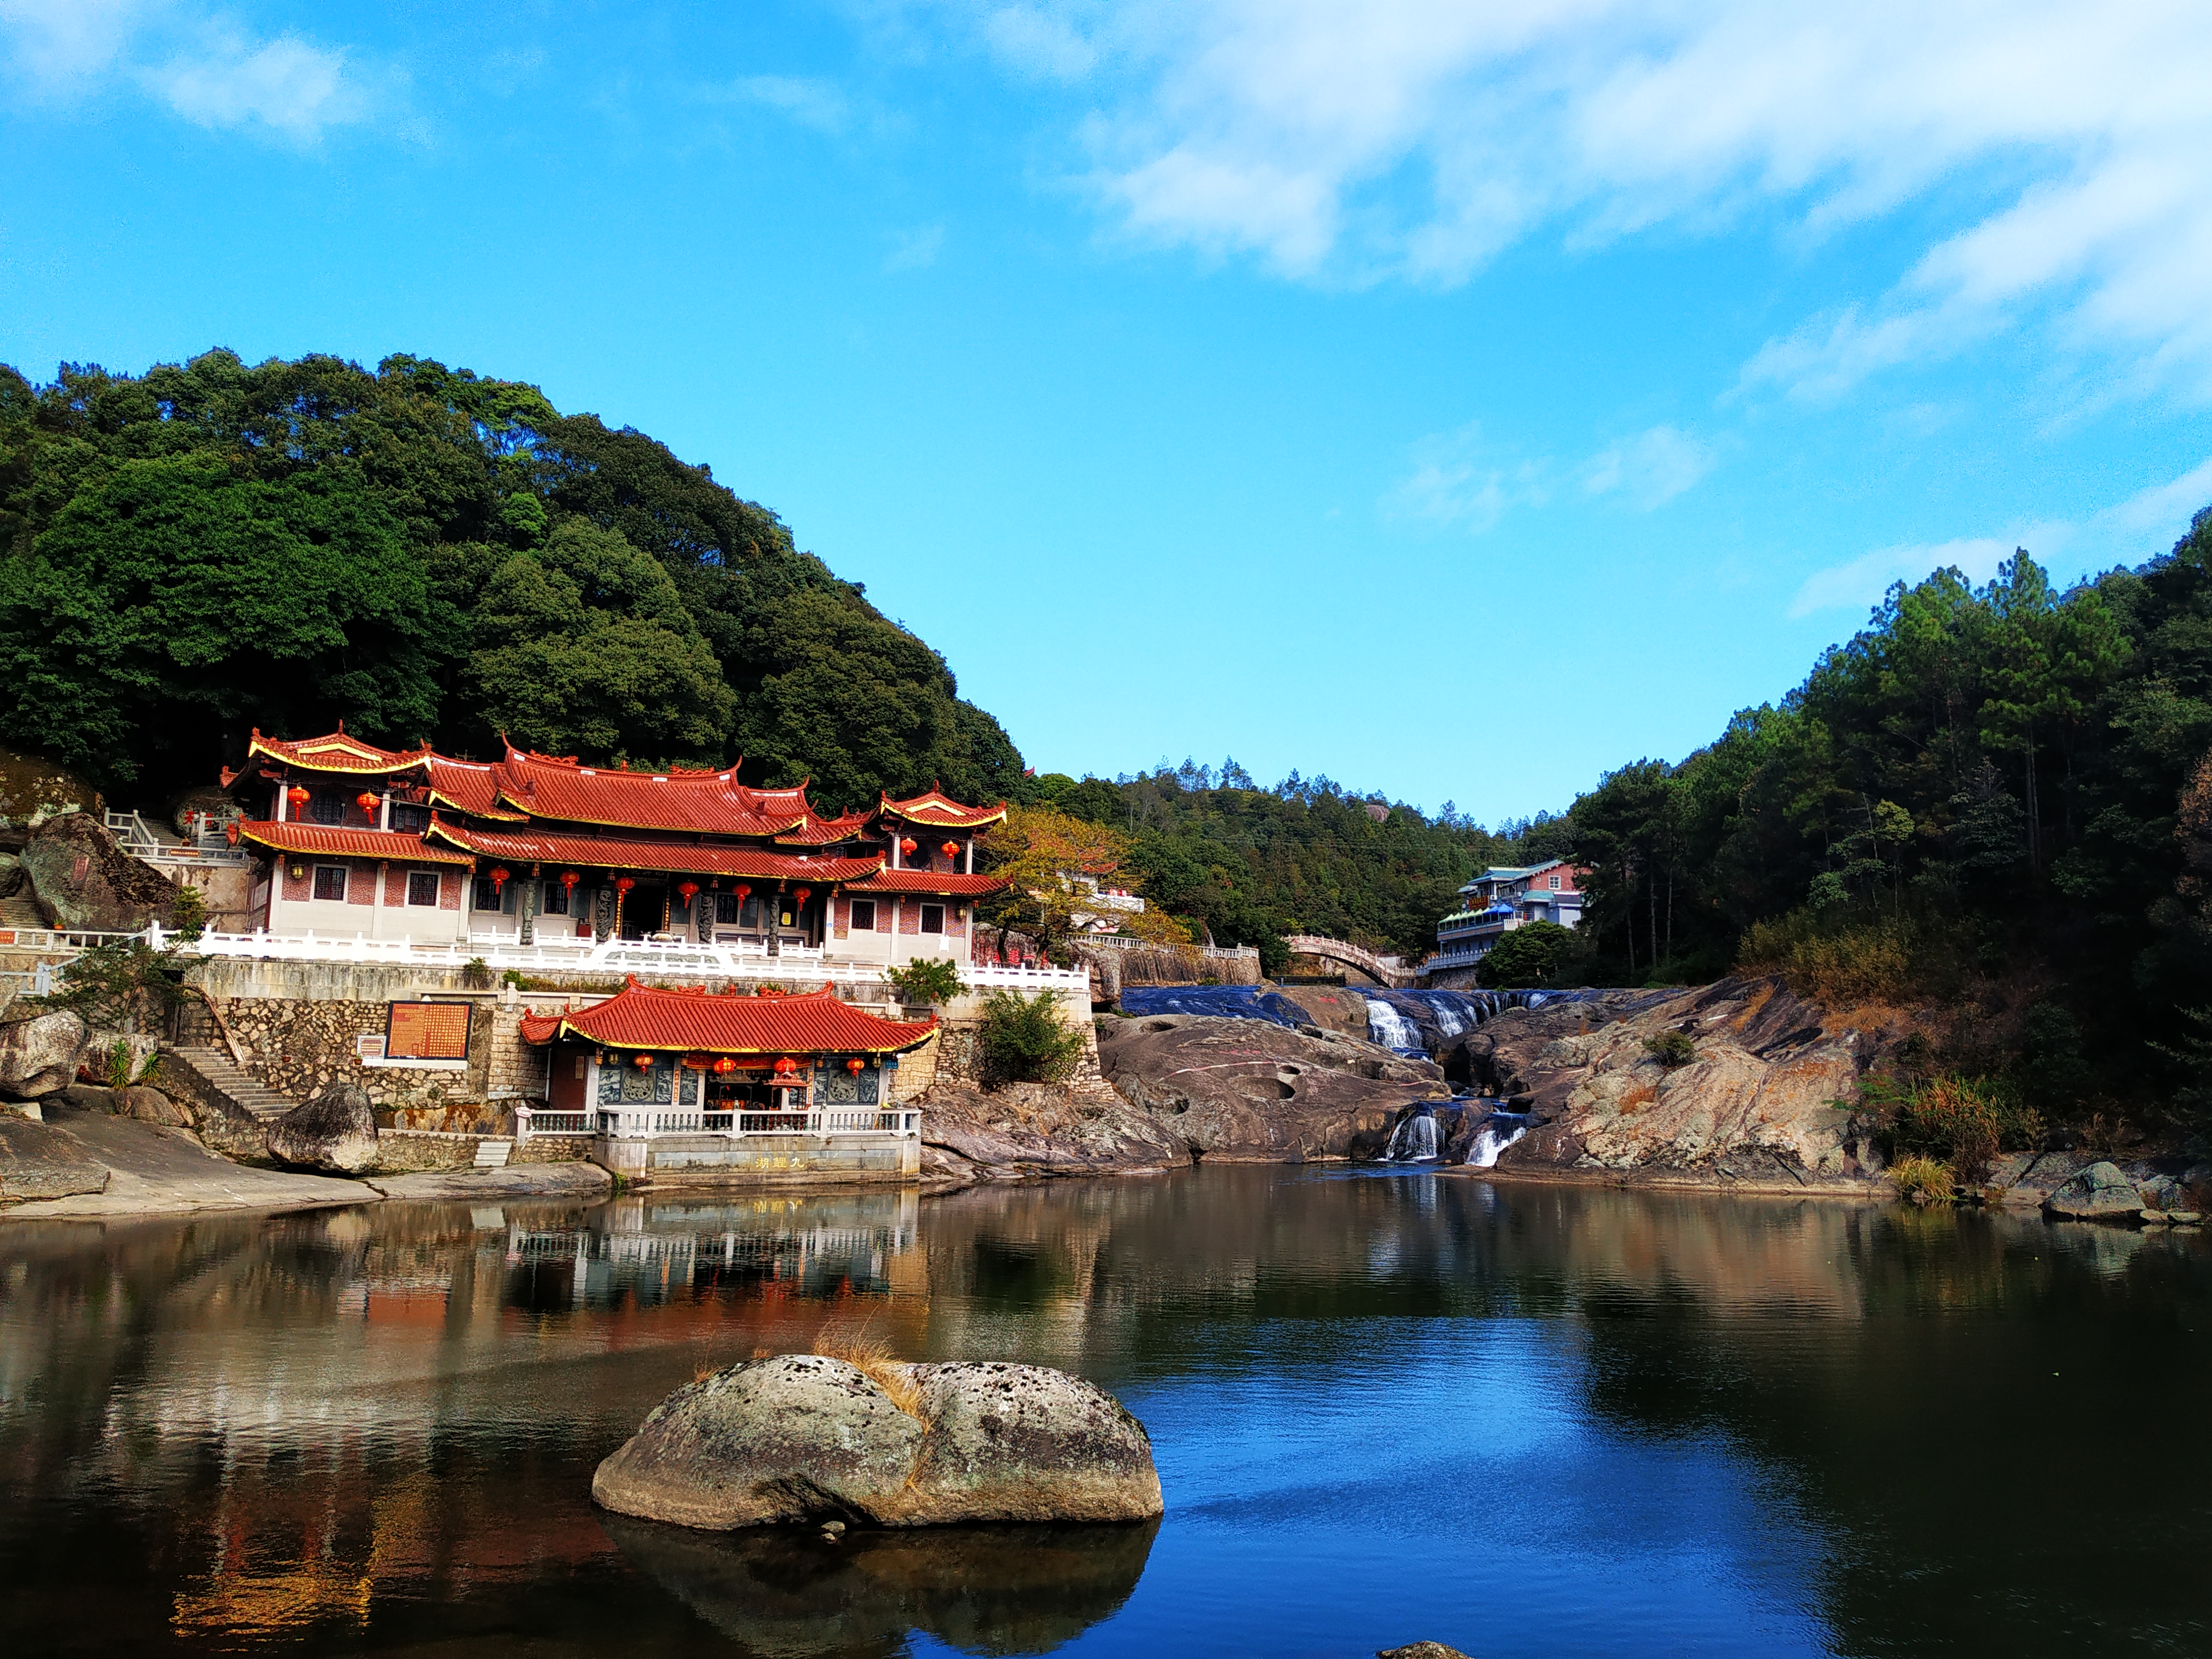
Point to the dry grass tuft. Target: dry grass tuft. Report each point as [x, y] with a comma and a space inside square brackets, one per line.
[1637, 1098]
[869, 1356]
[1923, 1180]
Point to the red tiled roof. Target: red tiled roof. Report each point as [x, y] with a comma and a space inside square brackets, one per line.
[534, 846]
[715, 803]
[928, 881]
[820, 832]
[335, 753]
[466, 786]
[726, 1023]
[938, 811]
[329, 839]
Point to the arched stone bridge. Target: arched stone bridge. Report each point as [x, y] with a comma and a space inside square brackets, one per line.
[1351, 956]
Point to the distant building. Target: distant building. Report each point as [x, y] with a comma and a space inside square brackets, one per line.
[1501, 898]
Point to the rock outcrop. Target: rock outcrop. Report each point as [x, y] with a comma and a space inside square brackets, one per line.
[40, 1051]
[80, 878]
[335, 1133]
[1025, 1130]
[2099, 1193]
[804, 1437]
[37, 1162]
[1767, 1097]
[1241, 1090]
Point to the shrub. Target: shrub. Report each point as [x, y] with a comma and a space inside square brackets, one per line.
[1966, 1122]
[188, 915]
[118, 1066]
[1840, 960]
[1540, 953]
[1923, 1180]
[1022, 1040]
[476, 973]
[926, 979]
[1670, 1048]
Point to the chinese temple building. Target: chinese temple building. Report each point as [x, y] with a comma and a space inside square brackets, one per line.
[352, 840]
[665, 1079]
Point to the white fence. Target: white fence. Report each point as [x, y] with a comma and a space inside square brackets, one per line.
[647, 958]
[643, 1123]
[137, 837]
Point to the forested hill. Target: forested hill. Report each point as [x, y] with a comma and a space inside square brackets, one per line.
[427, 554]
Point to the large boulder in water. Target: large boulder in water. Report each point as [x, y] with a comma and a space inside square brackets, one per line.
[804, 1437]
[1245, 1090]
[335, 1132]
[2099, 1192]
[40, 1050]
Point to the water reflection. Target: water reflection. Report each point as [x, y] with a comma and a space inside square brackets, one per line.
[1611, 1419]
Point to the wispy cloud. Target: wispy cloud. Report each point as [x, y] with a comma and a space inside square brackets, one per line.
[1459, 480]
[198, 66]
[1365, 140]
[915, 249]
[819, 105]
[2130, 530]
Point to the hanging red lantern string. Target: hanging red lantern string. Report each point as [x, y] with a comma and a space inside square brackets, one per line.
[624, 884]
[643, 1062]
[367, 802]
[725, 1065]
[800, 893]
[298, 796]
[569, 878]
[690, 890]
[785, 1065]
[950, 849]
[909, 845]
[853, 1065]
[500, 877]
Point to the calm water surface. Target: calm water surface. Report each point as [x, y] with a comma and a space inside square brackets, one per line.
[1522, 1419]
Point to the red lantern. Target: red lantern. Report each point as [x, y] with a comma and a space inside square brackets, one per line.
[785, 1065]
[907, 846]
[569, 878]
[643, 1062]
[624, 884]
[499, 876]
[297, 797]
[690, 890]
[725, 1065]
[800, 893]
[853, 1065]
[744, 892]
[367, 802]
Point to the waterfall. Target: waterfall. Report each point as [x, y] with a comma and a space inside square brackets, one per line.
[1501, 1131]
[1415, 1140]
[1391, 1028]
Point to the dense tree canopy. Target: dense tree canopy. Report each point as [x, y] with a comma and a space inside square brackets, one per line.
[209, 547]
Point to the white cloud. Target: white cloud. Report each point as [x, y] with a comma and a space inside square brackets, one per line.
[1360, 140]
[284, 85]
[1652, 468]
[201, 69]
[916, 249]
[1459, 481]
[819, 105]
[2129, 532]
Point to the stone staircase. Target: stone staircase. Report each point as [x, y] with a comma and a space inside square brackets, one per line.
[19, 913]
[239, 1086]
[492, 1154]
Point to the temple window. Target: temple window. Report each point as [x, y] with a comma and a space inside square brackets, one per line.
[726, 909]
[423, 887]
[409, 818]
[556, 899]
[329, 881]
[486, 895]
[932, 918]
[324, 808]
[863, 915]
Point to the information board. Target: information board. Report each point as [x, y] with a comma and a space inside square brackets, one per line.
[428, 1030]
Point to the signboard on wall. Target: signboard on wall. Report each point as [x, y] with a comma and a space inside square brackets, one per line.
[428, 1030]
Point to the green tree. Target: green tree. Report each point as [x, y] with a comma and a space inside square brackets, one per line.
[1535, 953]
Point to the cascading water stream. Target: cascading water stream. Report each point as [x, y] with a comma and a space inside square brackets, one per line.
[1415, 1140]
[1501, 1131]
[1386, 1026]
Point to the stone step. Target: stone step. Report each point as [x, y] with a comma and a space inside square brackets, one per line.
[20, 913]
[494, 1154]
[245, 1092]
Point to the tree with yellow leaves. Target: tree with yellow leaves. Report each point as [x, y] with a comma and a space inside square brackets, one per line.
[1054, 867]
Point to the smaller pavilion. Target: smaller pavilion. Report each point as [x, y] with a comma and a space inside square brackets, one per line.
[650, 1060]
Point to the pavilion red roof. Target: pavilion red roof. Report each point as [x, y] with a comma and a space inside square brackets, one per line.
[533, 845]
[937, 811]
[726, 1023]
[466, 786]
[950, 882]
[331, 841]
[334, 752]
[714, 803]
[820, 832]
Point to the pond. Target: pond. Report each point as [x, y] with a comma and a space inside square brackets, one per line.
[1521, 1419]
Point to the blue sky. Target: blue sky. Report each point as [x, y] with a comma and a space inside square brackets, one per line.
[1456, 399]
